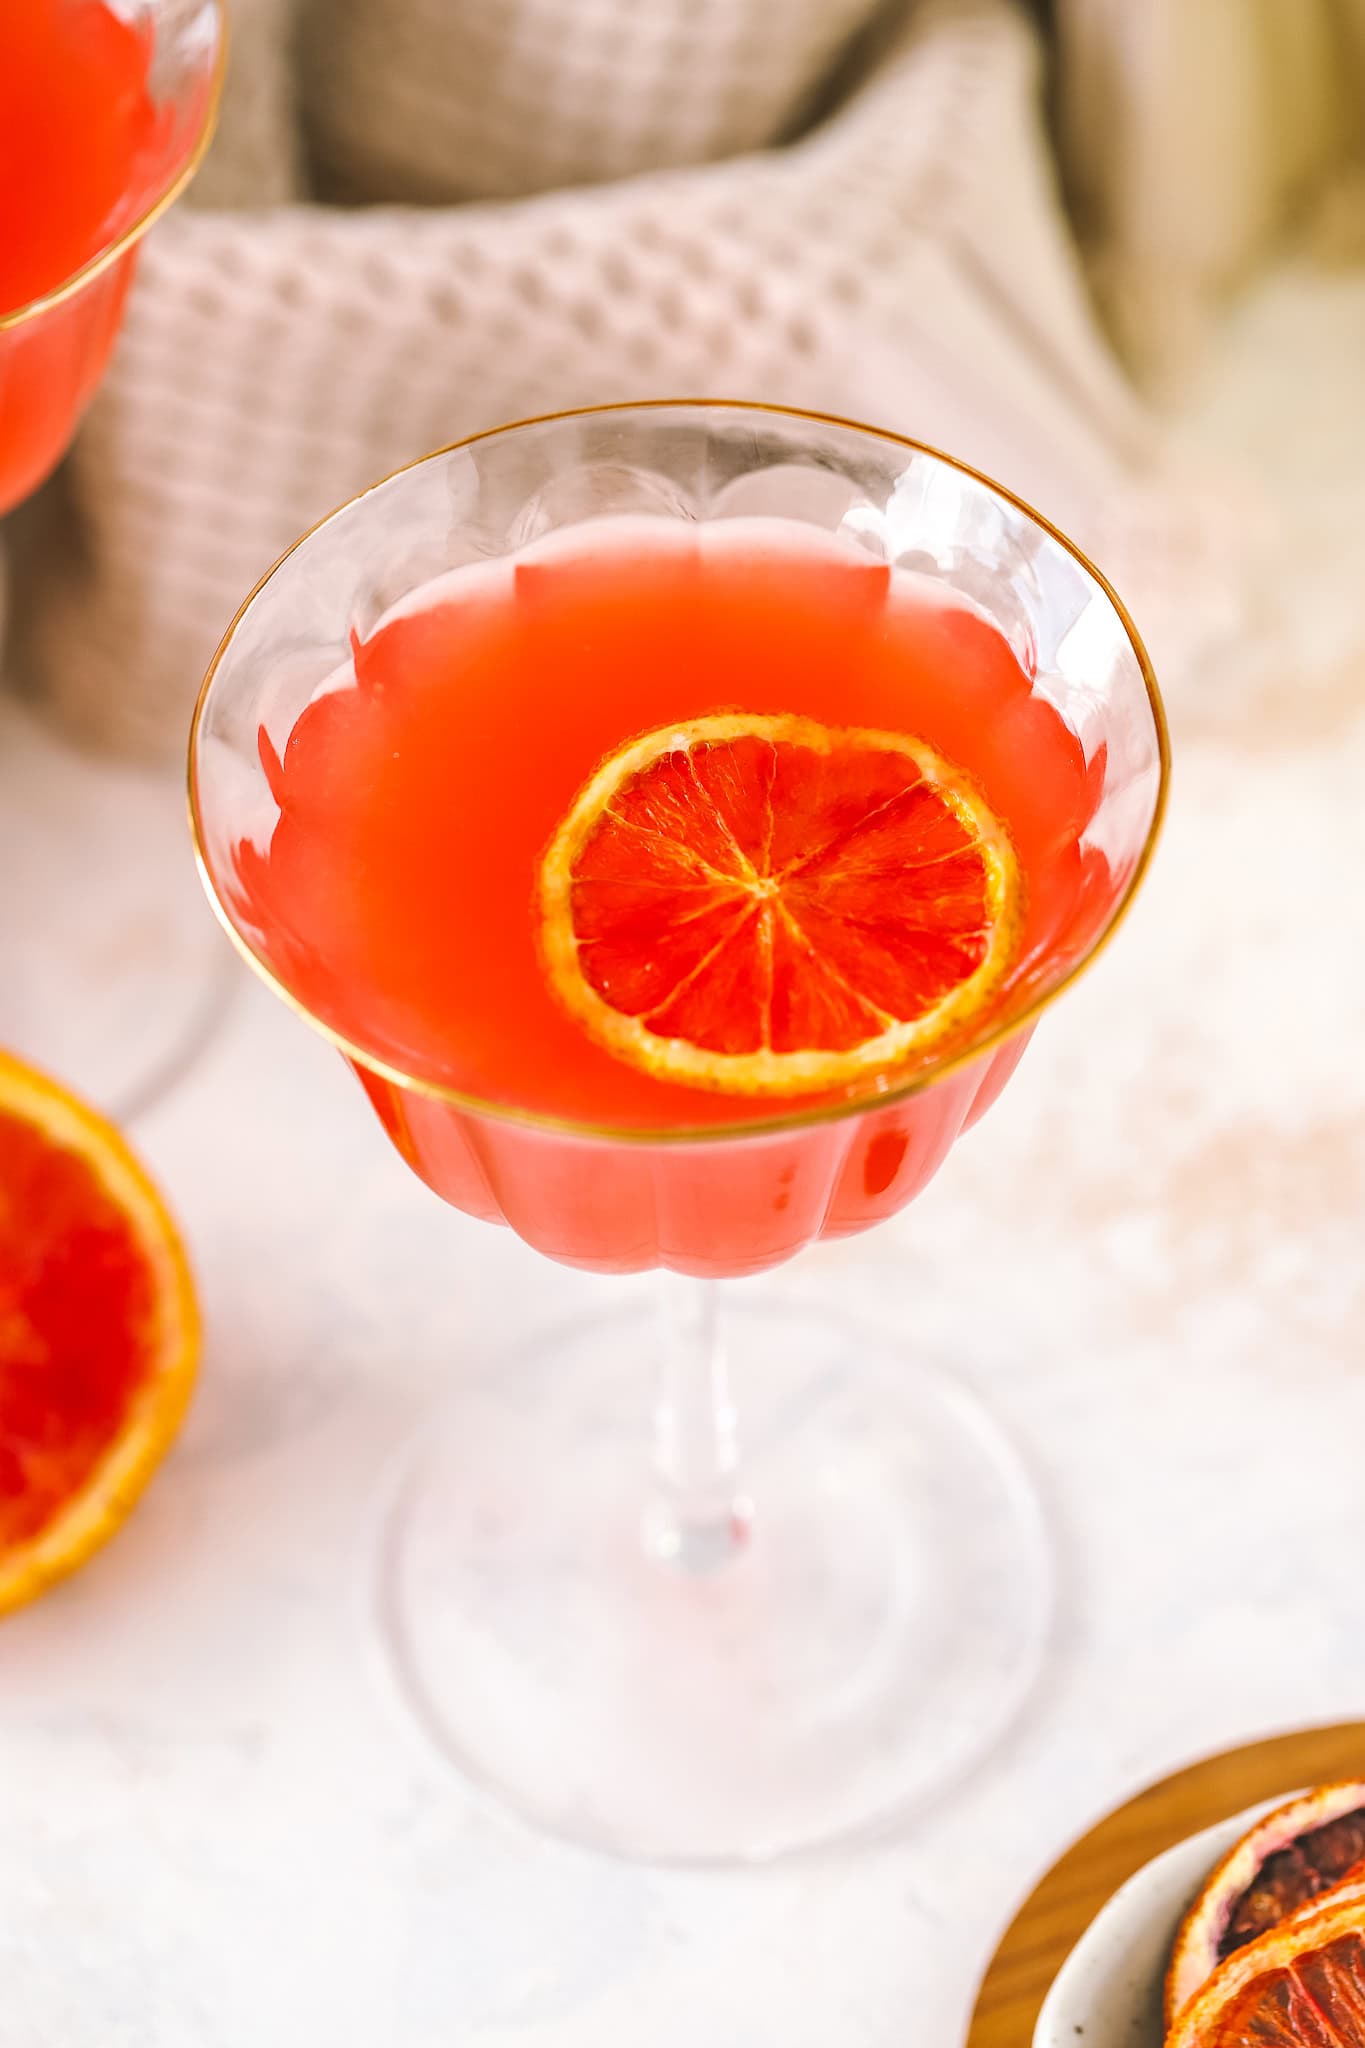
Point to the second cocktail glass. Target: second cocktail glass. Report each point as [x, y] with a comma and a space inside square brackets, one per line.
[105, 115]
[747, 1656]
[154, 68]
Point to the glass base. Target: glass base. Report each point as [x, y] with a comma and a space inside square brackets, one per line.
[113, 974]
[873, 1631]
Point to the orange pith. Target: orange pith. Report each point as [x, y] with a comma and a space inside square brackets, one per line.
[768, 905]
[1302, 1985]
[98, 1332]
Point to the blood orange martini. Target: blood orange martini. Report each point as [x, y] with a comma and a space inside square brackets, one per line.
[106, 108]
[678, 815]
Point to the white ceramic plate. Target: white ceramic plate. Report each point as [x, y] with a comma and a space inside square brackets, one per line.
[1107, 1993]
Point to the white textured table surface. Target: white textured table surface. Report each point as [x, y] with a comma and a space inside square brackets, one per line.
[216, 1828]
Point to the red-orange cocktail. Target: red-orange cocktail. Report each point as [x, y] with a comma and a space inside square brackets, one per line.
[102, 115]
[679, 815]
[399, 896]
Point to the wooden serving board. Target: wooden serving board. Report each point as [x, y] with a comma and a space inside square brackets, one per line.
[1060, 1908]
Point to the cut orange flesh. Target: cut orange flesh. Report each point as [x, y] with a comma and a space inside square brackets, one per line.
[98, 1332]
[771, 906]
[1302, 1985]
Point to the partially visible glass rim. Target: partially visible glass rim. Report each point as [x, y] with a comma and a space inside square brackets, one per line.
[33, 309]
[975, 1049]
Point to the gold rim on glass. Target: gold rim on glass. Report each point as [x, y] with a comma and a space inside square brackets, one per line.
[33, 309]
[698, 1134]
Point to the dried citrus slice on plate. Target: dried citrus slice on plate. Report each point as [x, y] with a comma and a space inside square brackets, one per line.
[1287, 1858]
[1301, 1985]
[771, 906]
[99, 1332]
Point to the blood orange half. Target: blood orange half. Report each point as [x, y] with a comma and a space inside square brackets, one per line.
[770, 906]
[1286, 1859]
[98, 1332]
[1302, 1985]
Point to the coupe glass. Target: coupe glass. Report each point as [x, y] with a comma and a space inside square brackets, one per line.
[713, 1659]
[109, 987]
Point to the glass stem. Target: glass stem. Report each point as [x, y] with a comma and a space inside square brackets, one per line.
[698, 1519]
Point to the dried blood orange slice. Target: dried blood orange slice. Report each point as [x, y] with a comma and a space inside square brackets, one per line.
[1288, 1858]
[1302, 1985]
[771, 906]
[98, 1332]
